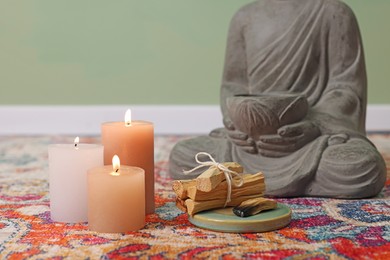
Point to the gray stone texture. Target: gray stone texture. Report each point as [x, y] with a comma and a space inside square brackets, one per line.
[293, 99]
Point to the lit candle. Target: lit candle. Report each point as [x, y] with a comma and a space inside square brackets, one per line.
[116, 198]
[68, 165]
[133, 142]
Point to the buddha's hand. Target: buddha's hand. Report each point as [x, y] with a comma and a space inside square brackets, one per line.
[289, 139]
[239, 138]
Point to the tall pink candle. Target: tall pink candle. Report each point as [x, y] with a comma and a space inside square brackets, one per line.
[133, 142]
[116, 198]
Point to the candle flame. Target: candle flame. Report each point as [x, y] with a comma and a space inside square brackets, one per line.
[128, 117]
[76, 142]
[116, 165]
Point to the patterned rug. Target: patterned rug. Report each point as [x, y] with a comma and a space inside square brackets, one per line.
[320, 228]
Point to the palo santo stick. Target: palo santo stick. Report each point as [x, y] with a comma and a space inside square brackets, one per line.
[254, 206]
[180, 187]
[253, 184]
[198, 206]
[180, 204]
[210, 178]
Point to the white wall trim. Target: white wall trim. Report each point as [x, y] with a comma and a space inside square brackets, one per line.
[86, 120]
[378, 118]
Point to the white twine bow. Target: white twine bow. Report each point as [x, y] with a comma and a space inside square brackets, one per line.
[229, 174]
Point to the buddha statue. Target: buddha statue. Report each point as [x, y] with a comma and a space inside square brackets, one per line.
[293, 99]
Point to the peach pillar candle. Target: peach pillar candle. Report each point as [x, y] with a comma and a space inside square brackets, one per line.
[116, 198]
[68, 165]
[133, 142]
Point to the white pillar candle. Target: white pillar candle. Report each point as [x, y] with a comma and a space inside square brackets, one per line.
[68, 166]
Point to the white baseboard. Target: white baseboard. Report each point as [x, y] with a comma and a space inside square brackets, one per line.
[378, 118]
[86, 120]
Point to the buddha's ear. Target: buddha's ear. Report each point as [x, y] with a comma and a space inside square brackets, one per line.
[294, 112]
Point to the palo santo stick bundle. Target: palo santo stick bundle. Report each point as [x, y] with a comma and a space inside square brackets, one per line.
[253, 187]
[210, 189]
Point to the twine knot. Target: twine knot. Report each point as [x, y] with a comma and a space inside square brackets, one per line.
[229, 174]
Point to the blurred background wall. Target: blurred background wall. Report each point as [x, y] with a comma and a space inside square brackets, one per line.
[93, 52]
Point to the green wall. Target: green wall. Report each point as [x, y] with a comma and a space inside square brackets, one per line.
[139, 51]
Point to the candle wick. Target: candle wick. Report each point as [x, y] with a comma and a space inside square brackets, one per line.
[116, 170]
[75, 145]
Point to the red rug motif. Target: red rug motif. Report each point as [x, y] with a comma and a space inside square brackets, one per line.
[320, 228]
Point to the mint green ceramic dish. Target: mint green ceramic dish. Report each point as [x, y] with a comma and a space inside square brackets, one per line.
[224, 220]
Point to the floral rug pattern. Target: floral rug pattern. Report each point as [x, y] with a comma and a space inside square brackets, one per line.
[320, 228]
